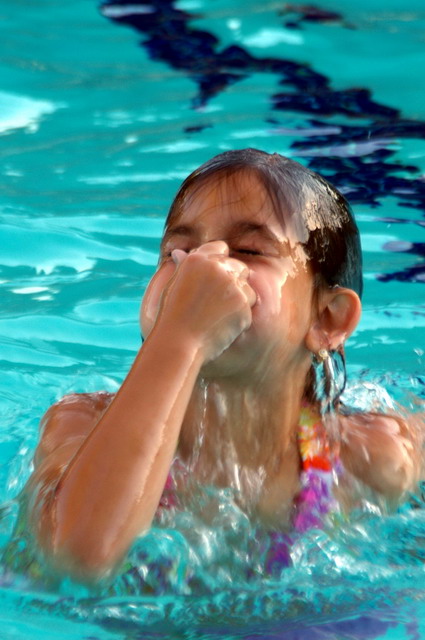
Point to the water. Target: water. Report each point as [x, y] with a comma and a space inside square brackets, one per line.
[97, 131]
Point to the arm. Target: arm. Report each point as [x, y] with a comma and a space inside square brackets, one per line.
[97, 488]
[383, 451]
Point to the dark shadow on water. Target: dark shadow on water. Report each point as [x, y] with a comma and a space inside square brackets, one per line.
[356, 157]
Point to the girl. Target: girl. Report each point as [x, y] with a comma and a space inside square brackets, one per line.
[257, 287]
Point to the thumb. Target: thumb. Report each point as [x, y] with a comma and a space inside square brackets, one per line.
[178, 255]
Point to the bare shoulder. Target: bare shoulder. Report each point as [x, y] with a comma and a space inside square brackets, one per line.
[384, 450]
[374, 427]
[70, 419]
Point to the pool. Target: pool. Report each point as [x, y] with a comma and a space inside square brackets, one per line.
[104, 111]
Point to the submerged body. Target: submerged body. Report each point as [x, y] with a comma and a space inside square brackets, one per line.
[231, 319]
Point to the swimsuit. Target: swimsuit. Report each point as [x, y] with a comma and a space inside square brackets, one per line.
[320, 467]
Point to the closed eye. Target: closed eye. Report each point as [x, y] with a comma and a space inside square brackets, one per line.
[251, 252]
[167, 252]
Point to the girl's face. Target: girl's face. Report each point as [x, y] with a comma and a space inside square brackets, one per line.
[238, 211]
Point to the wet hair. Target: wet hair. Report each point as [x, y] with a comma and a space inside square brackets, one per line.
[305, 204]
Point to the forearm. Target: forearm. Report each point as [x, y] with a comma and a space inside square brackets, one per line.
[111, 489]
[88, 503]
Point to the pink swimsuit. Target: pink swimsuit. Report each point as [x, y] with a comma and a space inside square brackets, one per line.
[319, 466]
[315, 498]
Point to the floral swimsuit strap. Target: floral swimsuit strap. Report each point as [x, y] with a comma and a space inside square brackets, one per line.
[319, 466]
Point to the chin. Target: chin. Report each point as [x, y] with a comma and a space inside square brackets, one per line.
[222, 368]
[239, 360]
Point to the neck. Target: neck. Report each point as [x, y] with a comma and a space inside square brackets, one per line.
[240, 435]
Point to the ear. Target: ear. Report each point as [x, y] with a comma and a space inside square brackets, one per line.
[338, 315]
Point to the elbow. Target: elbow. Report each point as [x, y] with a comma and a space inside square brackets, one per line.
[83, 563]
[68, 551]
[84, 557]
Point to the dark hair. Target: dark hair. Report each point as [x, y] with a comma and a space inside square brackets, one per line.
[303, 202]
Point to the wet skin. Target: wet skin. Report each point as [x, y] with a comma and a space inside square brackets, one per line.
[239, 232]
[231, 303]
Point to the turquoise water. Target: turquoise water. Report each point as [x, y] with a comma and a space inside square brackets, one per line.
[99, 123]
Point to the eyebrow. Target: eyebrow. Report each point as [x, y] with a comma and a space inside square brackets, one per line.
[176, 232]
[238, 229]
[181, 230]
[245, 227]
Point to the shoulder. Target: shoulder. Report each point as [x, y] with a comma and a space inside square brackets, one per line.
[369, 411]
[373, 427]
[383, 450]
[70, 419]
[370, 423]
[65, 427]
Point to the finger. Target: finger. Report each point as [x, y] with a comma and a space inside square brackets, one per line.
[178, 255]
[216, 247]
[249, 293]
[236, 267]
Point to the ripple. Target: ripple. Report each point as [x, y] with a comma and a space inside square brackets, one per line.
[266, 38]
[17, 111]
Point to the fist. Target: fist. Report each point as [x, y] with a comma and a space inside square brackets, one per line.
[204, 295]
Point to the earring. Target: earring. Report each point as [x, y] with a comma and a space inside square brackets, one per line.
[323, 354]
[330, 378]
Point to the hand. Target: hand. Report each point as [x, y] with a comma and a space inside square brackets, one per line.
[208, 297]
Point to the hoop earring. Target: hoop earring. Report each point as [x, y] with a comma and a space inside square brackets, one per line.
[330, 378]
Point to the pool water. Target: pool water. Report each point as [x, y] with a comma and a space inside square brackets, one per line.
[104, 111]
